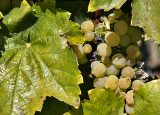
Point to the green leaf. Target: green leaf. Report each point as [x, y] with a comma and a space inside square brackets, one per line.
[145, 14]
[105, 4]
[19, 18]
[103, 102]
[147, 99]
[48, 4]
[40, 66]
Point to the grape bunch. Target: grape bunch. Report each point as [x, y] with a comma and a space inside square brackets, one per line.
[112, 50]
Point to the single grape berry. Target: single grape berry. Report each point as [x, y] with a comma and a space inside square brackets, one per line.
[133, 51]
[129, 109]
[124, 40]
[83, 60]
[118, 12]
[119, 60]
[124, 83]
[111, 82]
[94, 63]
[112, 39]
[104, 50]
[87, 26]
[89, 36]
[105, 59]
[99, 82]
[78, 50]
[136, 84]
[130, 61]
[128, 72]
[129, 97]
[99, 70]
[87, 48]
[121, 27]
[111, 69]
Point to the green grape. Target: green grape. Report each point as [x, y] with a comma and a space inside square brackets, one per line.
[111, 82]
[135, 33]
[87, 26]
[89, 36]
[83, 60]
[99, 82]
[121, 27]
[99, 70]
[16, 3]
[78, 50]
[124, 83]
[105, 59]
[104, 50]
[130, 61]
[87, 48]
[140, 56]
[124, 40]
[1, 15]
[112, 70]
[94, 63]
[5, 4]
[136, 84]
[118, 60]
[118, 12]
[123, 94]
[112, 18]
[128, 72]
[112, 39]
[129, 97]
[129, 109]
[133, 51]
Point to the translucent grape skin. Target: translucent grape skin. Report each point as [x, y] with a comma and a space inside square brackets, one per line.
[105, 59]
[104, 50]
[99, 70]
[94, 63]
[134, 33]
[111, 82]
[78, 50]
[118, 12]
[99, 82]
[133, 51]
[112, 39]
[123, 94]
[87, 26]
[87, 48]
[83, 60]
[136, 84]
[129, 109]
[130, 61]
[89, 36]
[119, 60]
[124, 40]
[121, 27]
[112, 70]
[124, 83]
[128, 72]
[129, 97]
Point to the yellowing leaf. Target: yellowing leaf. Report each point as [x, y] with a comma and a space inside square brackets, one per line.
[105, 4]
[145, 14]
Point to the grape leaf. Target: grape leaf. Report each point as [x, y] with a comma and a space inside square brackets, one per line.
[19, 18]
[103, 102]
[40, 66]
[105, 4]
[145, 14]
[147, 99]
[48, 4]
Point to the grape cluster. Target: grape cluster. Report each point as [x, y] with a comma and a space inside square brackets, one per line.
[112, 49]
